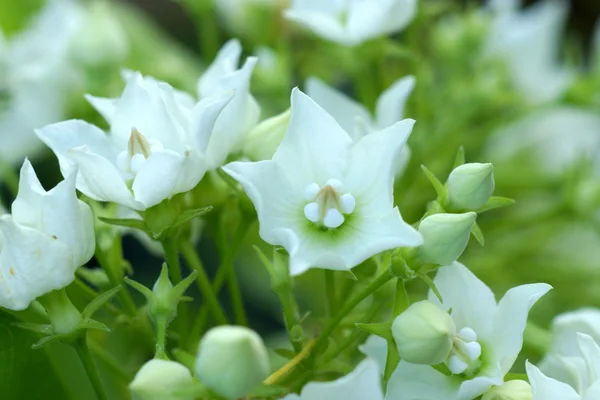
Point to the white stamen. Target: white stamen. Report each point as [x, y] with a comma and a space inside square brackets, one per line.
[312, 212]
[311, 191]
[333, 218]
[334, 183]
[456, 365]
[348, 203]
[467, 334]
[137, 161]
[473, 350]
[123, 161]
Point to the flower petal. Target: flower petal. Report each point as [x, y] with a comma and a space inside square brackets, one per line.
[315, 147]
[362, 383]
[593, 392]
[566, 326]
[421, 382]
[106, 107]
[323, 25]
[204, 116]
[225, 62]
[570, 370]
[390, 104]
[57, 213]
[166, 173]
[338, 105]
[510, 321]
[376, 348]
[545, 388]
[472, 302]
[591, 354]
[477, 386]
[32, 263]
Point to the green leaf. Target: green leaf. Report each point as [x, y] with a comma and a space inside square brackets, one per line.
[191, 214]
[99, 301]
[383, 329]
[495, 202]
[477, 234]
[127, 223]
[285, 353]
[93, 324]
[37, 328]
[460, 157]
[184, 358]
[425, 278]
[435, 182]
[268, 391]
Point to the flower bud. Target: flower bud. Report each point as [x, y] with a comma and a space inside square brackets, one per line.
[263, 140]
[445, 237]
[511, 390]
[232, 360]
[161, 380]
[470, 186]
[424, 333]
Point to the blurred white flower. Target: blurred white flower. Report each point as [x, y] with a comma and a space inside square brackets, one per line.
[586, 376]
[36, 77]
[237, 14]
[362, 383]
[241, 114]
[161, 380]
[529, 42]
[353, 22]
[324, 197]
[356, 119]
[48, 236]
[489, 339]
[156, 147]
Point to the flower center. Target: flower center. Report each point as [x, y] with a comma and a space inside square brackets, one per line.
[139, 148]
[465, 351]
[326, 205]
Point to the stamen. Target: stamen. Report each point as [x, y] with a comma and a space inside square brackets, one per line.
[326, 206]
[311, 191]
[348, 203]
[467, 334]
[457, 365]
[333, 218]
[312, 212]
[473, 350]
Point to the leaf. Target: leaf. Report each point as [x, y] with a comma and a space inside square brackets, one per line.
[93, 324]
[99, 301]
[191, 214]
[285, 353]
[477, 234]
[184, 357]
[37, 328]
[268, 391]
[127, 223]
[435, 182]
[383, 329]
[495, 202]
[460, 157]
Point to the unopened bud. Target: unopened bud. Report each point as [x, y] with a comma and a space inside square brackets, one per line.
[470, 186]
[424, 333]
[263, 140]
[232, 361]
[162, 380]
[511, 390]
[445, 237]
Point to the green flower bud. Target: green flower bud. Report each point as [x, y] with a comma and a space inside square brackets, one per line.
[445, 237]
[470, 186]
[424, 333]
[262, 141]
[232, 361]
[162, 380]
[511, 390]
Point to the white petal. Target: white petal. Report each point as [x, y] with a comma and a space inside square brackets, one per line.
[32, 263]
[314, 147]
[311, 191]
[570, 370]
[472, 302]
[390, 104]
[106, 107]
[545, 388]
[99, 179]
[63, 136]
[367, 22]
[204, 116]
[362, 383]
[370, 176]
[591, 353]
[57, 213]
[510, 321]
[593, 392]
[323, 25]
[472, 388]
[224, 63]
[566, 326]
[165, 174]
[420, 382]
[337, 104]
[376, 348]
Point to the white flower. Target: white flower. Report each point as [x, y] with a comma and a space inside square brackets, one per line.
[35, 78]
[161, 380]
[356, 119]
[353, 22]
[490, 336]
[362, 383]
[325, 198]
[47, 237]
[241, 114]
[529, 42]
[588, 379]
[156, 147]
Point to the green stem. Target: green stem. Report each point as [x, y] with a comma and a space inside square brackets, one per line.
[330, 291]
[172, 257]
[161, 339]
[210, 297]
[109, 361]
[106, 263]
[236, 299]
[401, 301]
[88, 363]
[10, 177]
[381, 280]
